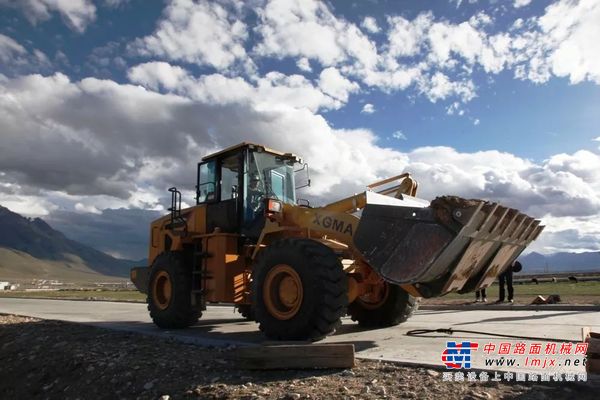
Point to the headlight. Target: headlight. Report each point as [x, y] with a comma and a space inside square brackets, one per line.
[274, 206]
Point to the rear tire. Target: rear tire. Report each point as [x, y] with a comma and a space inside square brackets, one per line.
[169, 292]
[300, 290]
[397, 307]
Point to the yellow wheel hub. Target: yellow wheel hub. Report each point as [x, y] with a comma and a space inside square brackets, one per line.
[283, 292]
[162, 290]
[376, 297]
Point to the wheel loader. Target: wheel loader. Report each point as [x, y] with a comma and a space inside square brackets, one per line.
[297, 269]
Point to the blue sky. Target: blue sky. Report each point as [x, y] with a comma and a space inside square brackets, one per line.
[480, 98]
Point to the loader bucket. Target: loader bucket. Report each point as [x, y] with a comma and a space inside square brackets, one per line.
[451, 244]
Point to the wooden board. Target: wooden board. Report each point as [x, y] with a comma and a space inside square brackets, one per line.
[308, 356]
[586, 332]
[593, 352]
[593, 340]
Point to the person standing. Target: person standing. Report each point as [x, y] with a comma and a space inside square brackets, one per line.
[480, 296]
[507, 278]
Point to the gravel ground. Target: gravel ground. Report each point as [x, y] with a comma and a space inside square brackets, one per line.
[57, 360]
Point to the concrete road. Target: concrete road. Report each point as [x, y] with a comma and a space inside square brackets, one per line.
[220, 326]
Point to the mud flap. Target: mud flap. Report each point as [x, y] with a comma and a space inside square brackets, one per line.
[140, 276]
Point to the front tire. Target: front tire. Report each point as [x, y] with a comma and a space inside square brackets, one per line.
[246, 310]
[300, 290]
[395, 307]
[169, 292]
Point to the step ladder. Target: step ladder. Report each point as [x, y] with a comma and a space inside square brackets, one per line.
[199, 276]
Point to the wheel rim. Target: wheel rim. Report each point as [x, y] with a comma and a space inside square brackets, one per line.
[162, 290]
[283, 292]
[376, 297]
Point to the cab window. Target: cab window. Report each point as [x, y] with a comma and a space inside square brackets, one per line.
[229, 177]
[207, 182]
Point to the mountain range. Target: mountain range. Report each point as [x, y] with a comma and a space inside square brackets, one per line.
[561, 262]
[30, 248]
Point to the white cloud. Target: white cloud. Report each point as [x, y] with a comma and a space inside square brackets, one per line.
[425, 47]
[18, 59]
[32, 206]
[368, 109]
[406, 37]
[294, 28]
[273, 91]
[157, 74]
[562, 42]
[370, 25]
[203, 33]
[304, 64]
[571, 31]
[459, 2]
[77, 14]
[160, 136]
[455, 109]
[439, 87]
[521, 3]
[476, 121]
[9, 49]
[86, 208]
[335, 85]
[399, 135]
[446, 39]
[443, 48]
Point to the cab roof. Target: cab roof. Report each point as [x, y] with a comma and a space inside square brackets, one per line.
[251, 146]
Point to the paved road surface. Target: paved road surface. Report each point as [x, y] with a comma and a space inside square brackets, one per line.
[220, 326]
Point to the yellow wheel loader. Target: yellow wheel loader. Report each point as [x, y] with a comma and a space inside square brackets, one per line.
[298, 269]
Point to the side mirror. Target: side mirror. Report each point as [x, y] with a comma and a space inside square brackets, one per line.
[304, 167]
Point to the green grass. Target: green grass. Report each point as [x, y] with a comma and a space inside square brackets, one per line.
[583, 292]
[112, 295]
[525, 293]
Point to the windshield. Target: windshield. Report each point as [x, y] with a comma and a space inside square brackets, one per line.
[266, 176]
[273, 175]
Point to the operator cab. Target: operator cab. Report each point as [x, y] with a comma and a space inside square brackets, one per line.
[236, 183]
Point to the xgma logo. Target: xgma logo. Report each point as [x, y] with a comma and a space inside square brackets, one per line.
[458, 355]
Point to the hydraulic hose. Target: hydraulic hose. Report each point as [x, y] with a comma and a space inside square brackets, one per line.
[450, 331]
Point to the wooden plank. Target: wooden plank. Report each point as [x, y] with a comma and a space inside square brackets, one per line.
[593, 340]
[309, 356]
[585, 333]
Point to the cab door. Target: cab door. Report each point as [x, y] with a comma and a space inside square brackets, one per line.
[223, 206]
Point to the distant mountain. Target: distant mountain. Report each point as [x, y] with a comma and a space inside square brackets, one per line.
[24, 237]
[561, 262]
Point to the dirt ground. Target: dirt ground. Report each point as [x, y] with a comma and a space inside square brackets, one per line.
[56, 360]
